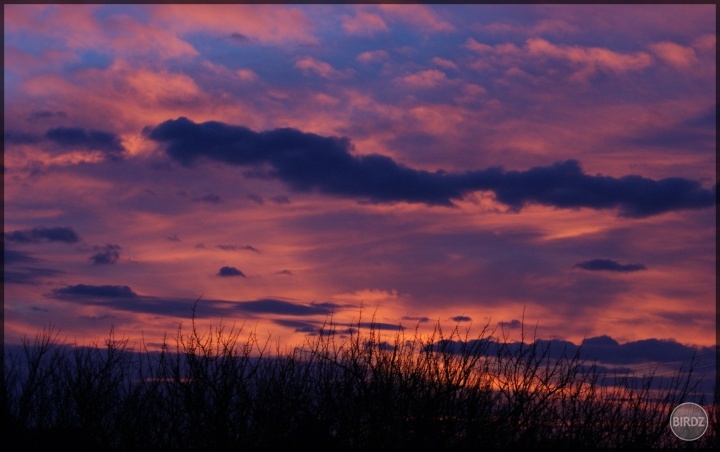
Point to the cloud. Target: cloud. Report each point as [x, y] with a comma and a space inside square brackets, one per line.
[601, 348]
[444, 63]
[11, 257]
[43, 234]
[83, 290]
[19, 137]
[416, 319]
[230, 271]
[107, 255]
[284, 272]
[28, 275]
[675, 54]
[461, 318]
[87, 140]
[309, 65]
[371, 56]
[424, 79]
[280, 199]
[378, 326]
[123, 298]
[211, 198]
[256, 198]
[237, 248]
[45, 114]
[513, 324]
[308, 162]
[363, 23]
[609, 265]
[590, 59]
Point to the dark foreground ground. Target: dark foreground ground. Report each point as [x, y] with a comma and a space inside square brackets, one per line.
[222, 390]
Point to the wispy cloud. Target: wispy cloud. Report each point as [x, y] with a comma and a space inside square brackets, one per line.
[609, 265]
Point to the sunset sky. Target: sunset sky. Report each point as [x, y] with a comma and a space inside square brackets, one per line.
[461, 164]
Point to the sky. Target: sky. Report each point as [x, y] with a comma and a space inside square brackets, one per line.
[402, 165]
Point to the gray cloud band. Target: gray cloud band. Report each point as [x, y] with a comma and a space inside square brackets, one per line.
[309, 162]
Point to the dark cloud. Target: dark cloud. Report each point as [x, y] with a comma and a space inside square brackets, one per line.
[256, 198]
[230, 271]
[173, 238]
[416, 319]
[513, 324]
[18, 137]
[377, 326]
[124, 299]
[460, 318]
[87, 140]
[309, 162]
[83, 290]
[239, 37]
[11, 257]
[28, 275]
[43, 234]
[211, 198]
[602, 349]
[284, 272]
[609, 265]
[238, 248]
[107, 255]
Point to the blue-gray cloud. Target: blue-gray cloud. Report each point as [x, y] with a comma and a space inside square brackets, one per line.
[609, 265]
[85, 291]
[87, 140]
[309, 162]
[107, 255]
[460, 318]
[43, 234]
[28, 275]
[123, 298]
[230, 271]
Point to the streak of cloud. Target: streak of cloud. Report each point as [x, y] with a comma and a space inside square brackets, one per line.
[123, 298]
[42, 234]
[609, 265]
[310, 162]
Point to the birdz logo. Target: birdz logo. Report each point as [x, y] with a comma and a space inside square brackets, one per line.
[688, 421]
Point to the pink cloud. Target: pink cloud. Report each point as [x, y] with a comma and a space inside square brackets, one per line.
[675, 54]
[247, 75]
[478, 47]
[371, 56]
[589, 59]
[444, 63]
[266, 23]
[421, 16]
[424, 79]
[363, 24]
[705, 43]
[309, 65]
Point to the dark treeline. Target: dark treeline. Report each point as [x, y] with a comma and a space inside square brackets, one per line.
[222, 388]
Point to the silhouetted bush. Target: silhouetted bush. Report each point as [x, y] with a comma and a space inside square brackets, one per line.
[221, 389]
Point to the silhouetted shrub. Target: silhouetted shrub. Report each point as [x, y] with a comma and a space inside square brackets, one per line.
[220, 389]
